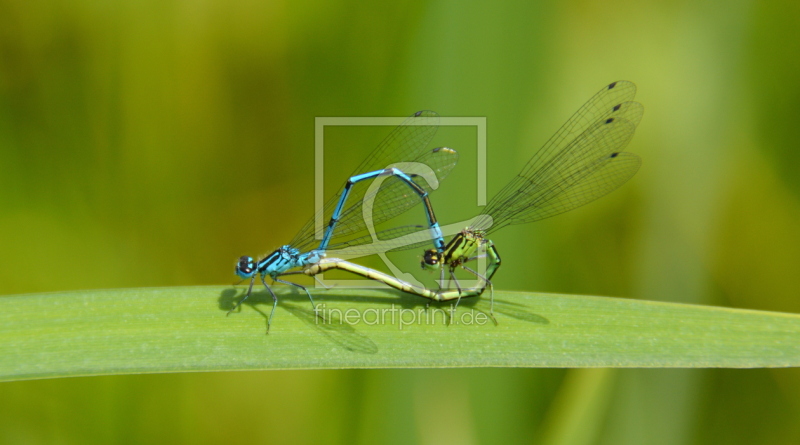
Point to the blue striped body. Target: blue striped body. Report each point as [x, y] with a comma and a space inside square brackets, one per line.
[277, 263]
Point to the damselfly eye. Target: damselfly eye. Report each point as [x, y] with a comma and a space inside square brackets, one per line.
[431, 257]
[245, 265]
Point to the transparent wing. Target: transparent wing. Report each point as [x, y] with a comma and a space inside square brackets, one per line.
[406, 143]
[390, 240]
[555, 180]
[594, 181]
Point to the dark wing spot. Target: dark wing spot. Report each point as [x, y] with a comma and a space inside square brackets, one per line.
[617, 107]
[612, 85]
[417, 114]
[614, 155]
[609, 120]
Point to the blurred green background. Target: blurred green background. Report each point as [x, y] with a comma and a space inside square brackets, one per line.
[150, 143]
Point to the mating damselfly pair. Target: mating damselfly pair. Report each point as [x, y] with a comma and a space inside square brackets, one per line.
[581, 162]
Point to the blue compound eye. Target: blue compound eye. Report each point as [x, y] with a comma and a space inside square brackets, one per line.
[245, 267]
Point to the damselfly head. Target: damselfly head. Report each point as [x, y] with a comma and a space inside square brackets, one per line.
[246, 267]
[430, 259]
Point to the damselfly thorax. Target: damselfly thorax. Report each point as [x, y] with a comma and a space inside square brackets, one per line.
[463, 247]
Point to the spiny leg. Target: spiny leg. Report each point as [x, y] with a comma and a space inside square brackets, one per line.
[491, 303]
[313, 306]
[249, 289]
[473, 272]
[491, 290]
[453, 277]
[458, 300]
[321, 283]
[483, 255]
[300, 272]
[294, 272]
[274, 303]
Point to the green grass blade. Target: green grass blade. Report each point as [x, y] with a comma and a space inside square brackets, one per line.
[185, 329]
